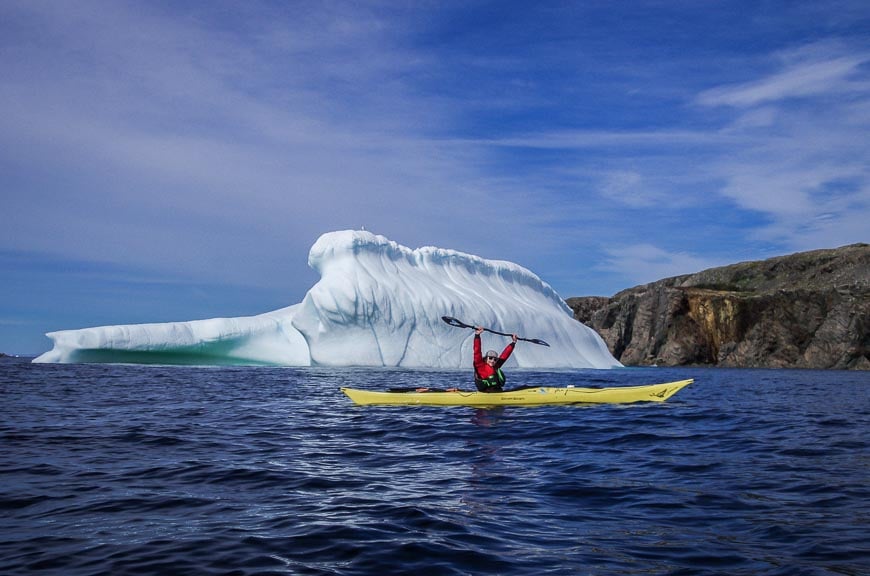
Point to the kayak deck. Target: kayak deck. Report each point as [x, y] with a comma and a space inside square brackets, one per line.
[537, 396]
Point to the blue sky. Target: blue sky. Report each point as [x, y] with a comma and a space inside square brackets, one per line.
[168, 161]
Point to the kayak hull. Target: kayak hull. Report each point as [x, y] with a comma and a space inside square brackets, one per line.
[539, 396]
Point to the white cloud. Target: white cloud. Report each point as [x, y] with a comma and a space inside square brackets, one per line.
[162, 130]
[159, 135]
[803, 157]
[598, 139]
[809, 71]
[643, 263]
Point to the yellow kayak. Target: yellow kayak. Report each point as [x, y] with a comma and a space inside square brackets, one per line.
[537, 396]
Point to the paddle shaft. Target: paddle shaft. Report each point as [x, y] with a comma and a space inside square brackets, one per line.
[460, 324]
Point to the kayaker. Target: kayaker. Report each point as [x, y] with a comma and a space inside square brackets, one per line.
[488, 376]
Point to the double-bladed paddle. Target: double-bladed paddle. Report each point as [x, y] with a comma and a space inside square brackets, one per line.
[460, 324]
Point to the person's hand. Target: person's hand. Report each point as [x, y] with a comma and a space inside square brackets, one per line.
[514, 338]
[478, 330]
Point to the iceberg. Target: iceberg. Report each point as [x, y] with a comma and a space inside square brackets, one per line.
[377, 303]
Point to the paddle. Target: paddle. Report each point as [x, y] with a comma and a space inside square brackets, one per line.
[460, 324]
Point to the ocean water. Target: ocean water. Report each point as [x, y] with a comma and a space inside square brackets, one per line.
[116, 469]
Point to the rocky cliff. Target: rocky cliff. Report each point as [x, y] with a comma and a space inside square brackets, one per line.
[806, 310]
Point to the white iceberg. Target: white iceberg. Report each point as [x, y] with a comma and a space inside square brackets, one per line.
[377, 304]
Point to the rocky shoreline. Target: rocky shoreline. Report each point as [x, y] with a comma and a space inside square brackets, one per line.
[805, 310]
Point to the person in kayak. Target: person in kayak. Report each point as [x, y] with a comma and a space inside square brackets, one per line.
[488, 376]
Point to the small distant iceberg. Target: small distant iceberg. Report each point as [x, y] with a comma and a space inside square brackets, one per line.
[377, 304]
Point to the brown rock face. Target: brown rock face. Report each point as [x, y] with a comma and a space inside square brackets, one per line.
[806, 310]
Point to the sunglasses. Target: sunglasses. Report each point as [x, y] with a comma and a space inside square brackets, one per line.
[492, 357]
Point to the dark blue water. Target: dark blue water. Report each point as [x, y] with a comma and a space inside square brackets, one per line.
[110, 469]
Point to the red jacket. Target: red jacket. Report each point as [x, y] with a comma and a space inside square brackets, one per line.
[483, 370]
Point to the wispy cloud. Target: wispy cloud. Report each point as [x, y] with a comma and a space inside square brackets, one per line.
[787, 149]
[600, 139]
[303, 126]
[210, 144]
[814, 70]
[804, 161]
[644, 263]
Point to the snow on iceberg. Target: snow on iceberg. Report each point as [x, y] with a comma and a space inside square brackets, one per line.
[377, 304]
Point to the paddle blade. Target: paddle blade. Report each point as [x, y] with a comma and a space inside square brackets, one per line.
[535, 341]
[454, 322]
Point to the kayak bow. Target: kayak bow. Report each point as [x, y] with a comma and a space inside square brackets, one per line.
[537, 396]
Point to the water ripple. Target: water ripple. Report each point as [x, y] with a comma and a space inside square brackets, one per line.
[150, 470]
